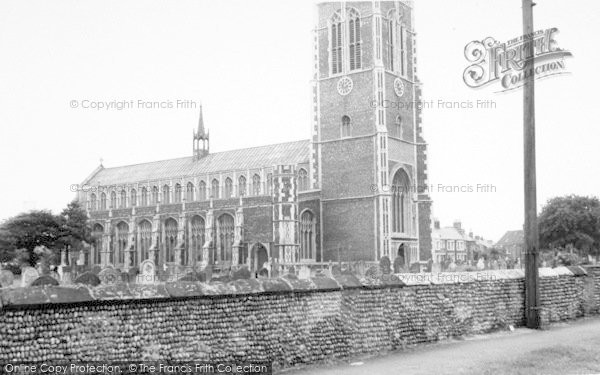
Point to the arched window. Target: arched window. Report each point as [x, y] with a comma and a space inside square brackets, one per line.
[154, 194]
[302, 179]
[346, 127]
[354, 39]
[215, 189]
[401, 203]
[123, 199]
[170, 239]
[113, 199]
[225, 231]
[197, 238]
[166, 195]
[256, 184]
[242, 186]
[177, 194]
[145, 239]
[93, 202]
[202, 191]
[307, 235]
[133, 198]
[189, 192]
[228, 188]
[398, 125]
[391, 39]
[144, 197]
[397, 44]
[103, 201]
[269, 184]
[97, 236]
[121, 241]
[337, 53]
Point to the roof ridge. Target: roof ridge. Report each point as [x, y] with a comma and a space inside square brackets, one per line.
[214, 153]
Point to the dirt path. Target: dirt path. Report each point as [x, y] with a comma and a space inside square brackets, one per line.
[567, 348]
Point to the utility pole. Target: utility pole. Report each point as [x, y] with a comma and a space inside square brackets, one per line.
[532, 291]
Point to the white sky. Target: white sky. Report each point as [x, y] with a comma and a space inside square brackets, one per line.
[249, 63]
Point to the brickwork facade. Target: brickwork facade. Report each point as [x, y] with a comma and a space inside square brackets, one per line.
[349, 193]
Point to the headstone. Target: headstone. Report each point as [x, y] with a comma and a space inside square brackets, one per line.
[6, 279]
[398, 264]
[147, 272]
[44, 280]
[480, 264]
[28, 276]
[206, 273]
[109, 276]
[452, 266]
[265, 273]
[304, 272]
[88, 278]
[54, 275]
[336, 270]
[386, 265]
[241, 274]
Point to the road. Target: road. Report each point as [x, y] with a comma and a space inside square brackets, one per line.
[566, 348]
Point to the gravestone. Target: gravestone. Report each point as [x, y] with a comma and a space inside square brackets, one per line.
[241, 274]
[147, 272]
[6, 279]
[88, 278]
[28, 276]
[45, 280]
[265, 273]
[386, 265]
[399, 264]
[304, 272]
[480, 264]
[54, 275]
[336, 270]
[109, 276]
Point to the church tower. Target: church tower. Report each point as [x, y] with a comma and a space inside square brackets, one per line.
[368, 156]
[200, 140]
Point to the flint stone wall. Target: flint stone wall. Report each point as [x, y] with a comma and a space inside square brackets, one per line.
[287, 321]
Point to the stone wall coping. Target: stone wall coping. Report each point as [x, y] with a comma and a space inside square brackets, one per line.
[79, 293]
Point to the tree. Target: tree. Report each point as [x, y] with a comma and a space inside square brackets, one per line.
[27, 231]
[20, 235]
[75, 232]
[571, 221]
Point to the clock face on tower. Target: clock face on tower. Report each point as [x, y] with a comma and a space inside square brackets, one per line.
[344, 86]
[398, 87]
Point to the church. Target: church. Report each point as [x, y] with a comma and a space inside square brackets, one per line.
[349, 193]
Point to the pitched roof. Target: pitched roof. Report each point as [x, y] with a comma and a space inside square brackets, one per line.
[448, 233]
[511, 237]
[248, 158]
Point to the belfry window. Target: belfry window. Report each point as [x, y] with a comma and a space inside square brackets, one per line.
[337, 53]
[354, 39]
[346, 127]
